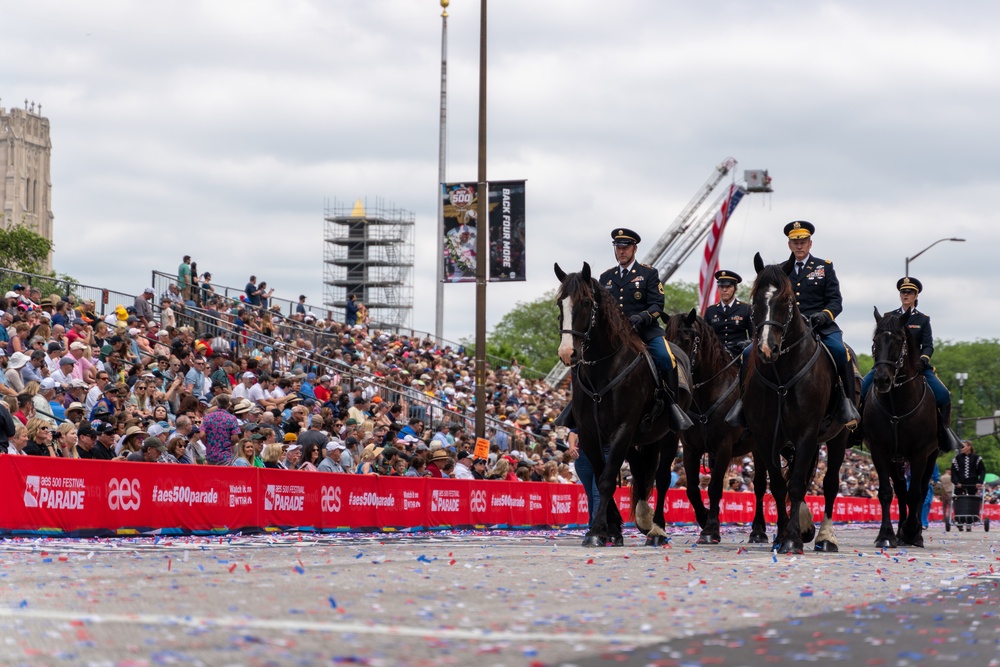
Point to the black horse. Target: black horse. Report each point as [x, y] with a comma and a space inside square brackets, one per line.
[614, 386]
[788, 400]
[900, 423]
[714, 389]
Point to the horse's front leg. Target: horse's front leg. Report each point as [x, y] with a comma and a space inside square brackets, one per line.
[607, 482]
[798, 479]
[836, 448]
[657, 535]
[693, 454]
[758, 530]
[886, 538]
[711, 533]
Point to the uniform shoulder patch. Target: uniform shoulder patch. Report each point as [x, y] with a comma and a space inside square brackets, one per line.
[828, 261]
[660, 287]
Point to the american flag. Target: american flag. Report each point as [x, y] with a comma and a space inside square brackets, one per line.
[708, 292]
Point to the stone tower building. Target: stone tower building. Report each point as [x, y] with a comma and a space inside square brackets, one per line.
[25, 156]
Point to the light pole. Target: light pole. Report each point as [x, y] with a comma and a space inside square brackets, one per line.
[910, 259]
[961, 377]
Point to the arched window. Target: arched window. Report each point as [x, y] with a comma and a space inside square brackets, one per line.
[27, 195]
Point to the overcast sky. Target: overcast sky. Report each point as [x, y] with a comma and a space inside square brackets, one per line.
[219, 129]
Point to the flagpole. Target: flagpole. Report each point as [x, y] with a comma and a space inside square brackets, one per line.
[442, 139]
[482, 229]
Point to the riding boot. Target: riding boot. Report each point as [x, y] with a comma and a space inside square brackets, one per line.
[948, 441]
[735, 416]
[848, 414]
[679, 421]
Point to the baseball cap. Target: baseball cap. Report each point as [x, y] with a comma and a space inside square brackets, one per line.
[87, 430]
[104, 428]
[155, 430]
[67, 361]
[47, 383]
[334, 444]
[153, 443]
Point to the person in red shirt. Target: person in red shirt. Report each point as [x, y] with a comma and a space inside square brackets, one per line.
[322, 390]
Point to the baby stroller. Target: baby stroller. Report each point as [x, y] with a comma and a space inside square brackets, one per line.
[965, 510]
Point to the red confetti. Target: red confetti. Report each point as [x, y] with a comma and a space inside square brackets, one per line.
[247, 566]
[169, 564]
[232, 568]
[452, 561]
[666, 558]
[690, 567]
[590, 561]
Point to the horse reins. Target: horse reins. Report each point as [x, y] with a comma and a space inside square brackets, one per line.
[591, 393]
[894, 419]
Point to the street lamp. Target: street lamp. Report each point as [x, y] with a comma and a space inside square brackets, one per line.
[910, 259]
[961, 377]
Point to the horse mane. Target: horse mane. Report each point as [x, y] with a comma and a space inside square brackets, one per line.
[772, 274]
[616, 327]
[711, 346]
[894, 323]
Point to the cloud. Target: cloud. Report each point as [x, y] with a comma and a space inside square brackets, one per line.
[221, 129]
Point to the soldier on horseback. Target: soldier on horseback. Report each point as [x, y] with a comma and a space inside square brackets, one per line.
[637, 289]
[817, 294]
[730, 318]
[918, 325]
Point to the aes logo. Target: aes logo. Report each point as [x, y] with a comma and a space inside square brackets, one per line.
[330, 499]
[123, 494]
[477, 502]
[581, 504]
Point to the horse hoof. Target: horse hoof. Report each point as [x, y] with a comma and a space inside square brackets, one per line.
[827, 546]
[618, 541]
[916, 541]
[656, 541]
[593, 541]
[790, 547]
[885, 543]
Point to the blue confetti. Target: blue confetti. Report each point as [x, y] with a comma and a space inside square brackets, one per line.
[360, 554]
[24, 603]
[333, 603]
[423, 559]
[300, 569]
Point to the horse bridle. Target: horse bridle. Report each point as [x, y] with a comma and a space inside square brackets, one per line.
[898, 364]
[586, 336]
[783, 326]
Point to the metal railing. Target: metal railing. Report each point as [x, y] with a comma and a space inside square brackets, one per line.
[105, 300]
[284, 355]
[162, 281]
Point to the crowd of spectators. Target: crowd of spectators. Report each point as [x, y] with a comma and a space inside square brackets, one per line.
[192, 377]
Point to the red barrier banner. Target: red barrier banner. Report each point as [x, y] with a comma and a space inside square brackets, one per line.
[56, 496]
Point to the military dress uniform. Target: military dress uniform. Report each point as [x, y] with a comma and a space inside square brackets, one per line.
[639, 294]
[918, 326]
[817, 294]
[731, 322]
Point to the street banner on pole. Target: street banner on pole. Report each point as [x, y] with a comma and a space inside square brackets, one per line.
[459, 252]
[507, 260]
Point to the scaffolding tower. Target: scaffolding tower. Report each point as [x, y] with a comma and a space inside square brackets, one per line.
[368, 252]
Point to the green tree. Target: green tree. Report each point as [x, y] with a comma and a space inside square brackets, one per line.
[528, 333]
[22, 249]
[980, 393]
[679, 297]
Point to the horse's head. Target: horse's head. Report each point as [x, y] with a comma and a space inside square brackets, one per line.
[773, 308]
[890, 349]
[683, 330]
[578, 300]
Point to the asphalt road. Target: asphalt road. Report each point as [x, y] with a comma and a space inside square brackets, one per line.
[495, 599]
